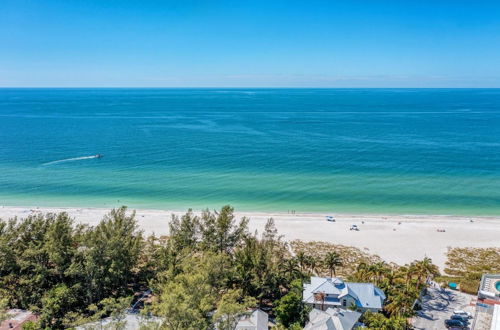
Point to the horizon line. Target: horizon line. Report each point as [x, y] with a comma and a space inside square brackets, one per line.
[227, 87]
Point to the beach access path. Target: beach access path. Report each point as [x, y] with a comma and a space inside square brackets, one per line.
[395, 238]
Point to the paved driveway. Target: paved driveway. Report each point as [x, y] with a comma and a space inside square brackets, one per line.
[438, 305]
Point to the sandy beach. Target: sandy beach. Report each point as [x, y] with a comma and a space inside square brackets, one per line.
[395, 238]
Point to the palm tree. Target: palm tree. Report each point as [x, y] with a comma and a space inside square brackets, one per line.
[424, 269]
[301, 259]
[389, 280]
[401, 303]
[291, 269]
[377, 271]
[312, 263]
[407, 273]
[332, 260]
[361, 273]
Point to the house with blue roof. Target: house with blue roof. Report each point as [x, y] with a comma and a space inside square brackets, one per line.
[325, 292]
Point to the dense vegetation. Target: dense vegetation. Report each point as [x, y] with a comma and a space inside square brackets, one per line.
[207, 273]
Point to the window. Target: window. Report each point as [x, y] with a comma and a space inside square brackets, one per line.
[344, 302]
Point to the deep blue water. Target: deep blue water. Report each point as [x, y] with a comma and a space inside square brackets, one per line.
[346, 150]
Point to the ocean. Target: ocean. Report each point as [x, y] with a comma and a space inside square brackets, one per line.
[418, 151]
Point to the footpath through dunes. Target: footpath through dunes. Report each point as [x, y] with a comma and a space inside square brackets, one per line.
[395, 238]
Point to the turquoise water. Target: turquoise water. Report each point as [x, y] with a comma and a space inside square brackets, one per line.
[325, 150]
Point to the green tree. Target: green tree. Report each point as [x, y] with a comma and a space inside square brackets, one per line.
[290, 309]
[188, 296]
[35, 253]
[230, 308]
[3, 310]
[290, 270]
[377, 321]
[312, 264]
[302, 260]
[257, 268]
[186, 302]
[154, 258]
[56, 303]
[30, 325]
[424, 268]
[332, 261]
[108, 255]
[59, 245]
[219, 230]
[184, 232]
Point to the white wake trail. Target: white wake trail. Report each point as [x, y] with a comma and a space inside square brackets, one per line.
[69, 160]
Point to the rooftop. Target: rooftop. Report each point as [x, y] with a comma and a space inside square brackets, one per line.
[332, 319]
[258, 320]
[490, 287]
[16, 318]
[366, 295]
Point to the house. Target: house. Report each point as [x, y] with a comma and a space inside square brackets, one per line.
[325, 292]
[258, 320]
[16, 318]
[489, 289]
[332, 319]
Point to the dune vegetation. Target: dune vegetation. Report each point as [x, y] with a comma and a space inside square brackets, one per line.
[465, 266]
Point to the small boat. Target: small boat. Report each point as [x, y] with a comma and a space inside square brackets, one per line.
[98, 156]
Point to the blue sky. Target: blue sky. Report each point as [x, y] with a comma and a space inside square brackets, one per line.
[249, 43]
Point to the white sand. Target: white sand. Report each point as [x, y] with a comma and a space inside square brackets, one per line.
[414, 238]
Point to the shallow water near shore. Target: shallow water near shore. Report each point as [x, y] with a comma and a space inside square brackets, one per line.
[420, 151]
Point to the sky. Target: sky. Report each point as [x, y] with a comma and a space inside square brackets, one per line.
[273, 43]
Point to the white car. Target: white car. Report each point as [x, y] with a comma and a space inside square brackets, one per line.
[463, 313]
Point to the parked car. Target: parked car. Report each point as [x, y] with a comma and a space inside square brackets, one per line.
[463, 313]
[463, 318]
[455, 324]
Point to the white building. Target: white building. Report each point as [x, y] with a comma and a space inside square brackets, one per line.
[258, 320]
[489, 287]
[332, 319]
[325, 292]
[495, 320]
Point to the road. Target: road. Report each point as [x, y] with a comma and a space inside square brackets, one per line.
[438, 305]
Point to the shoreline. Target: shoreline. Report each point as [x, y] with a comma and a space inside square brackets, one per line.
[244, 210]
[395, 238]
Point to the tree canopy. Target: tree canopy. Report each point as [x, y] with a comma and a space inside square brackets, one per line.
[208, 272]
